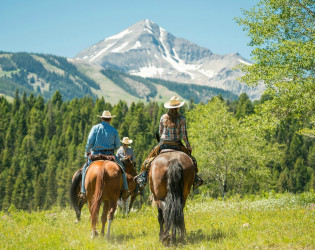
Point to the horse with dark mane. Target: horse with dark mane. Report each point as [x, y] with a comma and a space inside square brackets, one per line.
[171, 176]
[103, 183]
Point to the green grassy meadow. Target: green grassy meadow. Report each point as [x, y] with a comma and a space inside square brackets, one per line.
[277, 221]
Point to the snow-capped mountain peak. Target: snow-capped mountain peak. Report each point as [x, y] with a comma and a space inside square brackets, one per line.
[147, 50]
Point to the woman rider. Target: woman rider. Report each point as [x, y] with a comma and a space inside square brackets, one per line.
[172, 129]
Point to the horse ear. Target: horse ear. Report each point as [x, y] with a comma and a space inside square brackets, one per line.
[157, 137]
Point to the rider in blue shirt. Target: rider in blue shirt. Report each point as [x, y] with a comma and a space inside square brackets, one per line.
[103, 139]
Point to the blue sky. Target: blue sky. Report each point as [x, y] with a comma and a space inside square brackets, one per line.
[65, 27]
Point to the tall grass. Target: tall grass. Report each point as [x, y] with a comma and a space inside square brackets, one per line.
[279, 221]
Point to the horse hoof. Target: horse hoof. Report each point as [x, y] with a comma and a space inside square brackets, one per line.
[166, 240]
[94, 235]
[76, 221]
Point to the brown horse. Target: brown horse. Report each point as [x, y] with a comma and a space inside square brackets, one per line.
[130, 173]
[76, 187]
[171, 176]
[103, 183]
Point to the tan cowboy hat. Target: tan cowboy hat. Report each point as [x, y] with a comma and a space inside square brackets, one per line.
[173, 103]
[126, 140]
[106, 114]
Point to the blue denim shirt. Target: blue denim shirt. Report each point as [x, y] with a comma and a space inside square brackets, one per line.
[102, 137]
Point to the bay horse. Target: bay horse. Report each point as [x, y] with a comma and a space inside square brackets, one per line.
[103, 183]
[130, 174]
[170, 178]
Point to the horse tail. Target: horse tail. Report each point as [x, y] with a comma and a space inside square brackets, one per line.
[75, 185]
[173, 213]
[97, 197]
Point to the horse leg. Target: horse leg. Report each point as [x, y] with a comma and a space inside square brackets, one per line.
[94, 217]
[78, 213]
[93, 225]
[104, 217]
[182, 233]
[132, 199]
[125, 205]
[112, 210]
[161, 222]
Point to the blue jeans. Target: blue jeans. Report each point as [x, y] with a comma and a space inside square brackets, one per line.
[125, 183]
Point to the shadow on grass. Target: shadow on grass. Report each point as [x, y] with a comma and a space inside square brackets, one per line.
[215, 235]
[121, 238]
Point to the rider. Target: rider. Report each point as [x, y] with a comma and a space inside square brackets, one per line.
[103, 139]
[125, 151]
[172, 129]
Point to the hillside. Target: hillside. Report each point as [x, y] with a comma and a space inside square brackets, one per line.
[45, 74]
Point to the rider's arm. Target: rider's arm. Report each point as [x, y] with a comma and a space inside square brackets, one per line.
[119, 153]
[183, 132]
[161, 126]
[90, 140]
[117, 142]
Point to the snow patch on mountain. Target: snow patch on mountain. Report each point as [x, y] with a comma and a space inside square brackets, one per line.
[101, 52]
[119, 35]
[150, 71]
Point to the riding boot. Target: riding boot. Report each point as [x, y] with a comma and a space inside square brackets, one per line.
[141, 179]
[82, 194]
[197, 182]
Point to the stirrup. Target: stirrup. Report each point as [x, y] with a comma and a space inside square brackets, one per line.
[141, 179]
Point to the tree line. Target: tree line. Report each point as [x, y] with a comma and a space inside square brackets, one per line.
[42, 144]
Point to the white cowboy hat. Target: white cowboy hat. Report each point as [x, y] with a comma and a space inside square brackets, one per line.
[173, 103]
[106, 114]
[126, 140]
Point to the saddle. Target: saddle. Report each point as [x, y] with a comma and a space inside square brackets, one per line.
[169, 147]
[102, 157]
[168, 150]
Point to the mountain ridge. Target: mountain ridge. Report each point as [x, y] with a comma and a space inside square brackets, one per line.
[44, 74]
[147, 50]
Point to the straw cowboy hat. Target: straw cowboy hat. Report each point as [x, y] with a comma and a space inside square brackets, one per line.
[126, 140]
[173, 103]
[106, 114]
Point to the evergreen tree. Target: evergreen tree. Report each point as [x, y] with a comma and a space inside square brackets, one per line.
[301, 175]
[39, 193]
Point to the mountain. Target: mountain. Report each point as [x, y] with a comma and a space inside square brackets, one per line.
[147, 50]
[44, 74]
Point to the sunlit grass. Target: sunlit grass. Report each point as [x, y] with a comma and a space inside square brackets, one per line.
[280, 221]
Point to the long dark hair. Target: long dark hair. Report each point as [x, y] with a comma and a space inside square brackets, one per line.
[171, 118]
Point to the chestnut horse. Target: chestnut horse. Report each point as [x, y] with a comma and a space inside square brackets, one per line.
[76, 187]
[103, 183]
[171, 176]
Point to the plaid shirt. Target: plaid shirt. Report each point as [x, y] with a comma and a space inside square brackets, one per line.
[174, 134]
